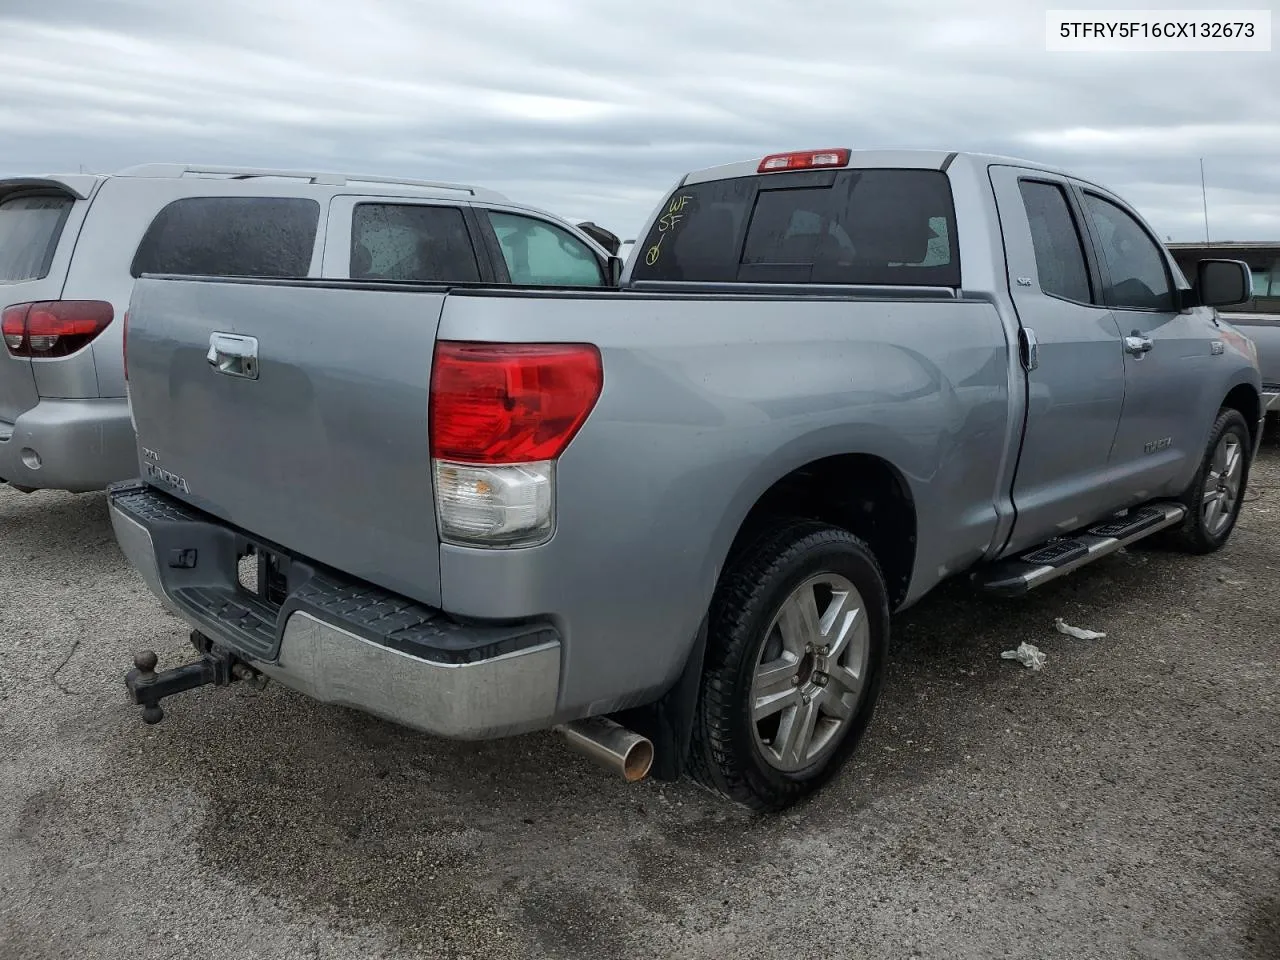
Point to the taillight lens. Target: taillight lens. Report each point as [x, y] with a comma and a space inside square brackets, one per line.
[13, 327]
[124, 343]
[54, 328]
[501, 413]
[510, 402]
[507, 505]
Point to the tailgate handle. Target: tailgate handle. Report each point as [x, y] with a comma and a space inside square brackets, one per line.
[234, 355]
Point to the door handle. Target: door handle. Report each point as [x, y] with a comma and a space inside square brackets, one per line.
[234, 355]
[1030, 348]
[1136, 344]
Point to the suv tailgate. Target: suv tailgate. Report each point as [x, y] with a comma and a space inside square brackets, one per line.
[322, 448]
[40, 218]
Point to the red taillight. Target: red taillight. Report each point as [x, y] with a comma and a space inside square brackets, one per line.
[13, 326]
[124, 342]
[804, 160]
[53, 328]
[494, 403]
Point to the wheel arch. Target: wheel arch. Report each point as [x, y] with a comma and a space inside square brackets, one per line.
[796, 487]
[860, 492]
[1245, 398]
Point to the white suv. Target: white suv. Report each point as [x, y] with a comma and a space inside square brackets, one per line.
[71, 247]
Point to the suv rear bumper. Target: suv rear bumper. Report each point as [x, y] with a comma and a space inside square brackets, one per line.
[76, 445]
[338, 640]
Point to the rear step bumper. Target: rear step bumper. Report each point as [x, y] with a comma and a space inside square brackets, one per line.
[1018, 575]
[334, 638]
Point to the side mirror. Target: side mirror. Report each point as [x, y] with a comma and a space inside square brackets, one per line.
[615, 270]
[1223, 283]
[600, 235]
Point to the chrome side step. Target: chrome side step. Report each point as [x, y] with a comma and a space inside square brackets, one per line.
[1017, 575]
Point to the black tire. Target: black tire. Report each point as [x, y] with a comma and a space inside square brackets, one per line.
[726, 755]
[1194, 535]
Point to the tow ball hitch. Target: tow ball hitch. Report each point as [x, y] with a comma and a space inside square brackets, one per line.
[215, 666]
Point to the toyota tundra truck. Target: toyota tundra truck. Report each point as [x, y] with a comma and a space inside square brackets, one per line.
[672, 519]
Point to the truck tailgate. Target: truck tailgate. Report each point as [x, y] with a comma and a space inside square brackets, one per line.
[320, 445]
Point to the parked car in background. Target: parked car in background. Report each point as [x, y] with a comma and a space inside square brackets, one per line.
[72, 246]
[1259, 317]
[680, 513]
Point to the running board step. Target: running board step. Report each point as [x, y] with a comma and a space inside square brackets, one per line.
[1058, 557]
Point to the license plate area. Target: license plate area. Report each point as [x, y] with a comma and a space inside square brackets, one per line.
[262, 574]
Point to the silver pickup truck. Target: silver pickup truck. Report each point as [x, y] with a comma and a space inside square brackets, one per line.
[672, 520]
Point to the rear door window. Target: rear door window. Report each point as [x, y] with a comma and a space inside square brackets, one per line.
[538, 253]
[231, 237]
[880, 226]
[400, 241]
[30, 227]
[1056, 241]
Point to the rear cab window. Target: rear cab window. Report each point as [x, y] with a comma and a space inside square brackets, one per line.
[30, 228]
[231, 237]
[891, 227]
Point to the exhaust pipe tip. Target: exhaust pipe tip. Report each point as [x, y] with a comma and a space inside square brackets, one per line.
[611, 745]
[637, 761]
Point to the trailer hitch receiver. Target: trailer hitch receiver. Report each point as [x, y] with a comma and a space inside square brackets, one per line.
[215, 666]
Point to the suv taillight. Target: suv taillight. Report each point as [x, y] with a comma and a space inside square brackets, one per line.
[53, 328]
[501, 413]
[124, 343]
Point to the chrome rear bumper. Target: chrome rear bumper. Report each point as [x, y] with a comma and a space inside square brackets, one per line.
[340, 641]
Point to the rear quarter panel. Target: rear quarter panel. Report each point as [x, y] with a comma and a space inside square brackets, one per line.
[707, 403]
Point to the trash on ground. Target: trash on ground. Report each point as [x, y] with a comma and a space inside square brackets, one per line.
[1028, 655]
[1080, 633]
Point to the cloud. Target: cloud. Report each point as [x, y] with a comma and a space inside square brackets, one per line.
[1259, 137]
[592, 110]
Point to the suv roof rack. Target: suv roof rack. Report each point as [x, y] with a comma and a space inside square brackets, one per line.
[175, 170]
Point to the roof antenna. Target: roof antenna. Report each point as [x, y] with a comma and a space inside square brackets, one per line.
[1204, 199]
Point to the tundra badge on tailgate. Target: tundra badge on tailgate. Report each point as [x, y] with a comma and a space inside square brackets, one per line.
[158, 474]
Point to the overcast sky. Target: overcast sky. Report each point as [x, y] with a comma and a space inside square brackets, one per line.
[592, 109]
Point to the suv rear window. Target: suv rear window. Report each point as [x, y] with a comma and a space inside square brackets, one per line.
[30, 227]
[878, 226]
[231, 237]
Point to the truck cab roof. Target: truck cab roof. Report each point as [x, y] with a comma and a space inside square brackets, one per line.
[873, 158]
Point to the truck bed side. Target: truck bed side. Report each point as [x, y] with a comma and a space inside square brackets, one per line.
[707, 403]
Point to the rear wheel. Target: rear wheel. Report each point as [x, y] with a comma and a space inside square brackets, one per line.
[798, 633]
[1214, 497]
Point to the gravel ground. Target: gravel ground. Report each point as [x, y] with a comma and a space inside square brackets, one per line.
[1124, 802]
